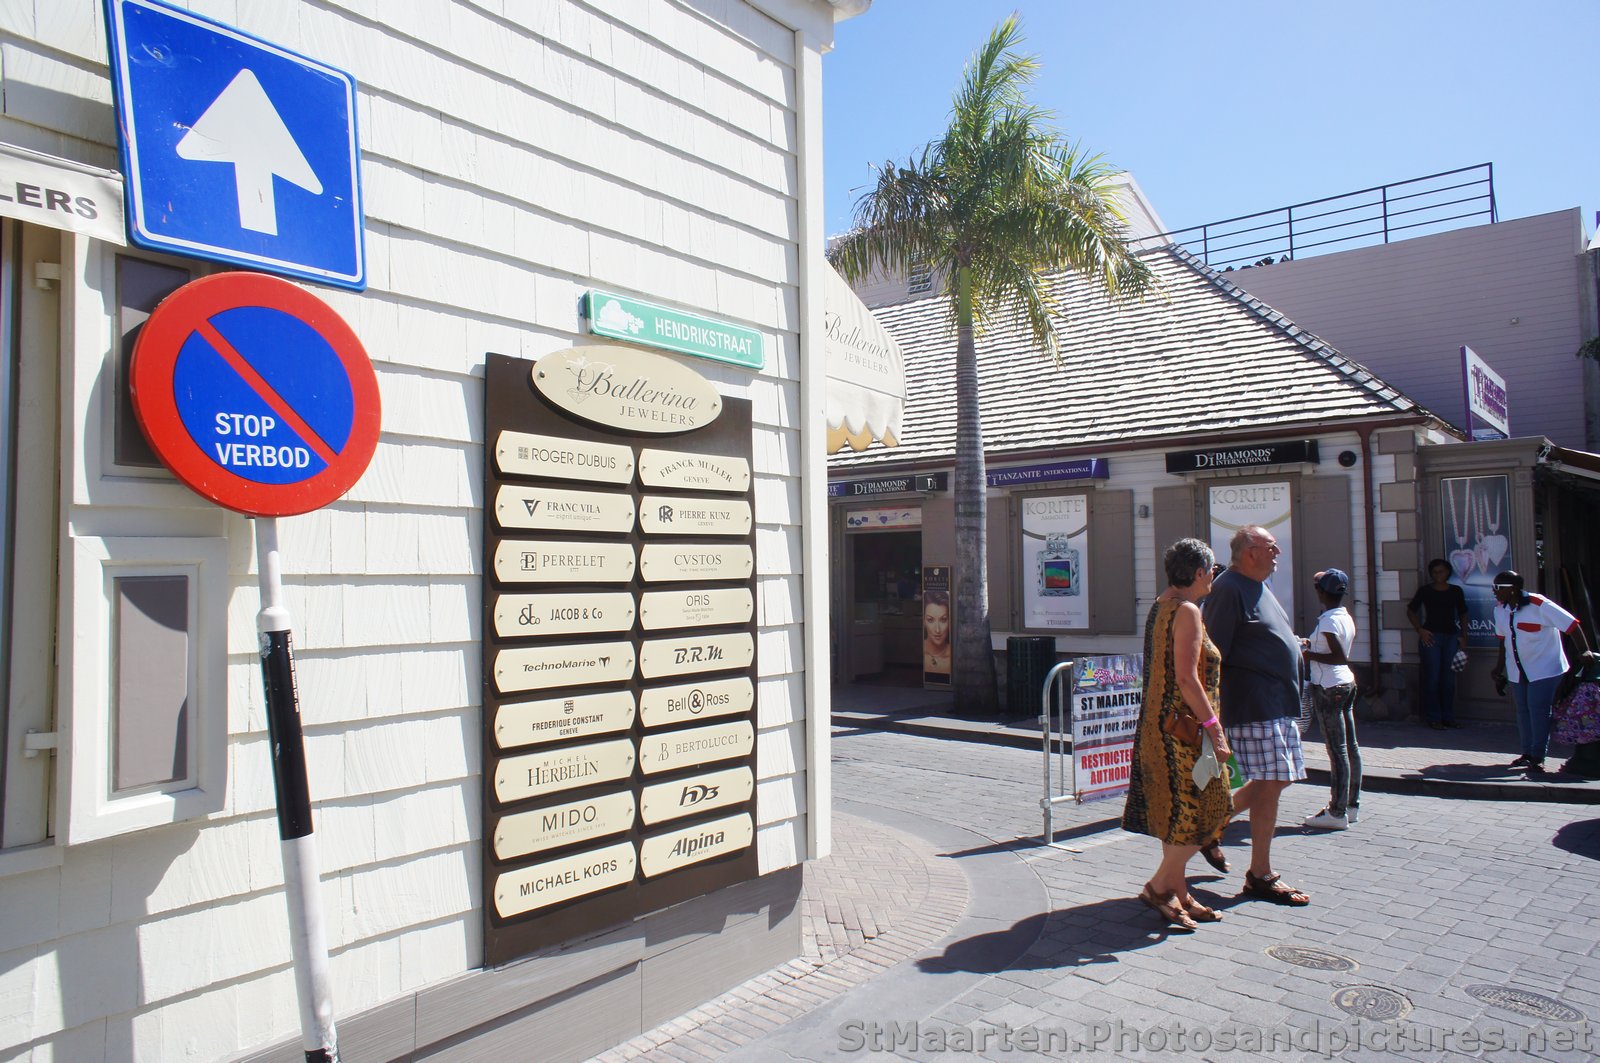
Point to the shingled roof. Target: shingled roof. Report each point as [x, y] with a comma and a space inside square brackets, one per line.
[1201, 357]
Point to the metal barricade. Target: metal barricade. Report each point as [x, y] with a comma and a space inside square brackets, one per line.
[1057, 722]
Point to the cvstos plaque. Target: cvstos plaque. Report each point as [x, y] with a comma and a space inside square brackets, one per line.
[678, 562]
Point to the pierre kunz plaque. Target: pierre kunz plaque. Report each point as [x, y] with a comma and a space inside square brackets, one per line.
[538, 774]
[543, 667]
[679, 515]
[699, 745]
[524, 506]
[551, 561]
[690, 845]
[695, 607]
[687, 702]
[665, 801]
[627, 389]
[526, 723]
[562, 879]
[555, 826]
[676, 562]
[526, 454]
[695, 654]
[693, 472]
[525, 615]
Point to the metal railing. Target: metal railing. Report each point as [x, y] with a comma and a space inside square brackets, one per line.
[1060, 776]
[1369, 216]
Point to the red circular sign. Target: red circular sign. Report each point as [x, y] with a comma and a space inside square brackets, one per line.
[256, 394]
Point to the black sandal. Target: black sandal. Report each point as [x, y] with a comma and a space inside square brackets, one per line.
[1273, 888]
[1215, 856]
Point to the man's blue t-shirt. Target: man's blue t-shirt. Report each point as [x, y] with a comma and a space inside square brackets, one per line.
[1260, 651]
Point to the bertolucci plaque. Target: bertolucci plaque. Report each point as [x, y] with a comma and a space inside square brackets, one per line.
[619, 642]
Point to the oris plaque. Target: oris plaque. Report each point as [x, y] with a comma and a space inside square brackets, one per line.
[695, 607]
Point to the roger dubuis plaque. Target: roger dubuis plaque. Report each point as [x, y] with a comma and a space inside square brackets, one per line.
[693, 472]
[673, 849]
[696, 653]
[687, 702]
[562, 879]
[696, 607]
[525, 723]
[670, 750]
[525, 454]
[676, 562]
[680, 515]
[554, 509]
[665, 801]
[543, 667]
[562, 561]
[568, 768]
[560, 825]
[527, 615]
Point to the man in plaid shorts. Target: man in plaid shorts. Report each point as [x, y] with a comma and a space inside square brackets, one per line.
[1260, 697]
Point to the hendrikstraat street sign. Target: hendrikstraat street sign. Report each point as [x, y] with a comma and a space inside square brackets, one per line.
[636, 321]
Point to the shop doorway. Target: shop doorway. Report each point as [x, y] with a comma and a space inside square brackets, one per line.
[883, 592]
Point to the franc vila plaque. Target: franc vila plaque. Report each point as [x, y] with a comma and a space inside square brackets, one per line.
[695, 607]
[526, 454]
[523, 615]
[675, 515]
[562, 879]
[686, 702]
[549, 561]
[665, 801]
[553, 509]
[696, 746]
[693, 472]
[699, 653]
[557, 825]
[542, 667]
[690, 845]
[526, 723]
[675, 562]
[537, 774]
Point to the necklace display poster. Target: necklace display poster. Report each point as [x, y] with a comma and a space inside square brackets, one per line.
[1054, 543]
[1477, 543]
[619, 663]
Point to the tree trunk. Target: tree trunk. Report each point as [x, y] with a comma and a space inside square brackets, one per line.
[974, 679]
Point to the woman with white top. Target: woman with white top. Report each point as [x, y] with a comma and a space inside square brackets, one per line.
[1333, 699]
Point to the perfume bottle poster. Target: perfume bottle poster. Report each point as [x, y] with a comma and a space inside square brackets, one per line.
[1476, 521]
[1053, 551]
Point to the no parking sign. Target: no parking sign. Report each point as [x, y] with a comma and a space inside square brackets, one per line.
[256, 394]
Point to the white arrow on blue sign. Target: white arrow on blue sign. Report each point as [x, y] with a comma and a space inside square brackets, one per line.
[235, 149]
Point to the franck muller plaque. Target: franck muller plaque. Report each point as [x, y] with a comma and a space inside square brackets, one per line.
[523, 615]
[669, 562]
[690, 845]
[695, 607]
[552, 509]
[549, 561]
[573, 821]
[687, 702]
[543, 667]
[538, 774]
[700, 793]
[699, 745]
[540, 885]
[678, 515]
[524, 454]
[693, 472]
[526, 723]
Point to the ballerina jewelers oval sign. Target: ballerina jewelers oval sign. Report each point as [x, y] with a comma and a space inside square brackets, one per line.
[622, 388]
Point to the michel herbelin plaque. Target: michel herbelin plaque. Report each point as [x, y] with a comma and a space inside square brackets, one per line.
[619, 642]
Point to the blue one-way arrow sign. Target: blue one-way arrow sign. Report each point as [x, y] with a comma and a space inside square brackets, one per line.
[235, 149]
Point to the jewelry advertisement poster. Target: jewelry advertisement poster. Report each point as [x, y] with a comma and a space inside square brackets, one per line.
[1234, 506]
[1477, 543]
[1055, 540]
[938, 621]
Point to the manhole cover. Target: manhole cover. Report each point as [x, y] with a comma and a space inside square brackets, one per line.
[1534, 1005]
[1315, 959]
[1372, 1002]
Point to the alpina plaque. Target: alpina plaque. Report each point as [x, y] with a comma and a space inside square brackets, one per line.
[671, 562]
[687, 702]
[699, 745]
[690, 845]
[575, 821]
[678, 515]
[526, 723]
[523, 615]
[695, 607]
[537, 774]
[691, 656]
[526, 454]
[542, 667]
[529, 888]
[540, 508]
[527, 561]
[665, 801]
[693, 472]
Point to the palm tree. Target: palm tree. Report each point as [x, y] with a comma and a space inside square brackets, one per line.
[993, 206]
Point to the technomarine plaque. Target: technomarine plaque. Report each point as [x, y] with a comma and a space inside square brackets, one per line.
[543, 667]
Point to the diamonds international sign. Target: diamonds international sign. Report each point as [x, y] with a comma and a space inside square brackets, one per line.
[636, 321]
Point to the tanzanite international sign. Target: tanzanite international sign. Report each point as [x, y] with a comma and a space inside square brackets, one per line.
[1080, 469]
[637, 321]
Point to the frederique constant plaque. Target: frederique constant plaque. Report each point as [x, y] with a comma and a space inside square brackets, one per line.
[673, 849]
[669, 562]
[694, 472]
[539, 885]
[524, 615]
[695, 654]
[525, 454]
[686, 702]
[678, 515]
[526, 723]
[665, 801]
[537, 774]
[699, 745]
[574, 821]
[533, 561]
[542, 508]
[543, 667]
[695, 607]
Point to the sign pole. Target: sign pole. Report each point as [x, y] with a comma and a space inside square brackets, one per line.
[302, 881]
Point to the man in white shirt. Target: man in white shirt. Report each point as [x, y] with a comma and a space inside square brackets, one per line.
[1530, 627]
[1333, 699]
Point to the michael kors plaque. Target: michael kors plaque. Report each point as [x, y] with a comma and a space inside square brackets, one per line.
[695, 472]
[558, 825]
[562, 879]
[669, 562]
[537, 774]
[521, 615]
[695, 607]
[665, 801]
[524, 454]
[687, 702]
[542, 667]
[552, 509]
[690, 845]
[519, 561]
[702, 653]
[679, 515]
[526, 723]
[699, 745]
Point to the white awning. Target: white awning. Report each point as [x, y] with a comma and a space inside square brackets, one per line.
[62, 194]
[866, 372]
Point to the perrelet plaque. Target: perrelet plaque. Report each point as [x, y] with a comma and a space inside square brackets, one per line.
[527, 561]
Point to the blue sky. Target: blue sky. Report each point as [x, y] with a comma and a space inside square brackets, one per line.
[1225, 110]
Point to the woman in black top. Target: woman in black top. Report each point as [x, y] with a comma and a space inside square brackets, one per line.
[1438, 612]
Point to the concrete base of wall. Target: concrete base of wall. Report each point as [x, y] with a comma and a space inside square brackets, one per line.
[575, 1001]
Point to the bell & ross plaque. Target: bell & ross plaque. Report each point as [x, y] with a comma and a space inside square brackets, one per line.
[670, 750]
[661, 853]
[664, 801]
[557, 826]
[524, 454]
[593, 663]
[524, 615]
[562, 879]
[552, 509]
[526, 723]
[695, 607]
[673, 515]
[687, 702]
[693, 472]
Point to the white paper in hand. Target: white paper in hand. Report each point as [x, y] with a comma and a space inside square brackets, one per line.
[1206, 765]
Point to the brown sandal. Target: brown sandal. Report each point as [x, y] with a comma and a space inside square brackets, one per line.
[1272, 888]
[1214, 855]
[1199, 912]
[1169, 908]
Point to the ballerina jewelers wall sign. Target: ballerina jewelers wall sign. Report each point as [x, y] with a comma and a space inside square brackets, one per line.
[619, 643]
[1477, 543]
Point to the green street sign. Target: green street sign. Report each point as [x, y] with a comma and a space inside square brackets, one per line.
[635, 321]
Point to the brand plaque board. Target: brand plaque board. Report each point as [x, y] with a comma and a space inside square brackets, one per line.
[593, 661]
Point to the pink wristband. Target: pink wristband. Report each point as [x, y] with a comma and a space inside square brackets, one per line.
[1207, 722]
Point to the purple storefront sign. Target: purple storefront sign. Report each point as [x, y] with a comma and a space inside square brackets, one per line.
[1082, 469]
